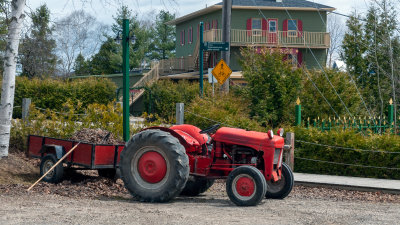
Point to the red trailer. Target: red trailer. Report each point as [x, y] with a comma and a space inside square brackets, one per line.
[101, 157]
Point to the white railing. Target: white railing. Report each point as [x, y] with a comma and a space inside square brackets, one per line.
[280, 38]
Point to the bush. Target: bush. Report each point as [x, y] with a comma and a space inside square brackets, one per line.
[52, 94]
[66, 122]
[351, 139]
[166, 93]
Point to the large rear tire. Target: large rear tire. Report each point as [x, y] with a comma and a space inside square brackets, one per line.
[281, 188]
[246, 186]
[56, 175]
[196, 185]
[154, 166]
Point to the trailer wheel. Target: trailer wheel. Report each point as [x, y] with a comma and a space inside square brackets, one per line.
[282, 187]
[196, 185]
[246, 186]
[107, 173]
[56, 175]
[154, 166]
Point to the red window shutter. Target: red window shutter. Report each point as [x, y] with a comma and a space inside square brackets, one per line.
[216, 24]
[248, 27]
[264, 27]
[285, 27]
[299, 58]
[184, 36]
[300, 27]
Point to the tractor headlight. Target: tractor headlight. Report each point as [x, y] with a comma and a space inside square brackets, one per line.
[270, 134]
[280, 132]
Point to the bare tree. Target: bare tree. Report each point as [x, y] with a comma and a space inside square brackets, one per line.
[8, 86]
[335, 28]
[78, 33]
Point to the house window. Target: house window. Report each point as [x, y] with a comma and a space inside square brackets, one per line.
[190, 33]
[292, 28]
[256, 26]
[183, 37]
[272, 26]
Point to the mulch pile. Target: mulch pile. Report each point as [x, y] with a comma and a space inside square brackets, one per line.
[96, 136]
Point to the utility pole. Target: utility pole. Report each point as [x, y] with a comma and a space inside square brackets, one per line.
[226, 37]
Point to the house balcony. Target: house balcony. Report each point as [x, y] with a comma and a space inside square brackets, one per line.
[288, 39]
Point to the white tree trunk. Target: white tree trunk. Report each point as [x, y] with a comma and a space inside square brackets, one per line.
[10, 62]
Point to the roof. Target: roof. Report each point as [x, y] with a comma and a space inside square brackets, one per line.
[274, 3]
[302, 5]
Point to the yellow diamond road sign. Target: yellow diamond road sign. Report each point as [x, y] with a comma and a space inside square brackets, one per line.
[221, 71]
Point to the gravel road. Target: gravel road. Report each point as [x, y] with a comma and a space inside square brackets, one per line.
[213, 207]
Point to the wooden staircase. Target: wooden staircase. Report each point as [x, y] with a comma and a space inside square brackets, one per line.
[147, 79]
[196, 53]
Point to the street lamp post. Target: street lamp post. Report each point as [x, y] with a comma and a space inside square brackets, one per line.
[125, 73]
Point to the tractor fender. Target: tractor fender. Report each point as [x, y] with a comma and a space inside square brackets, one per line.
[57, 150]
[182, 140]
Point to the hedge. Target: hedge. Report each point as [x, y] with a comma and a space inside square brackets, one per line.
[52, 93]
[348, 139]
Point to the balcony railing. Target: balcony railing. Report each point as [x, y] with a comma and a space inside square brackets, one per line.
[291, 39]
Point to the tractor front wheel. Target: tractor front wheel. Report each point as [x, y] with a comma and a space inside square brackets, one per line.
[246, 186]
[281, 188]
[154, 166]
[54, 176]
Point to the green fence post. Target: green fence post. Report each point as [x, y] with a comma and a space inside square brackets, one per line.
[298, 113]
[390, 113]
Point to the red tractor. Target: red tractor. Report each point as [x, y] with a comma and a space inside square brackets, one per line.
[159, 163]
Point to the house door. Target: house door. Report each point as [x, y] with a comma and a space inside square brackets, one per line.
[272, 31]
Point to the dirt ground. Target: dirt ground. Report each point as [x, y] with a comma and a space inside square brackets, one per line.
[85, 198]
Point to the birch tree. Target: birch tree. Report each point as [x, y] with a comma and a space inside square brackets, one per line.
[8, 85]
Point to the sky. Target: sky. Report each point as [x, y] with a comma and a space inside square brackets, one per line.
[103, 10]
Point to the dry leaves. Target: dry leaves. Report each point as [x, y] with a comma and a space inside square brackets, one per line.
[96, 136]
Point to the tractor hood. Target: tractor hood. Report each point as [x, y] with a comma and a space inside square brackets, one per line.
[252, 139]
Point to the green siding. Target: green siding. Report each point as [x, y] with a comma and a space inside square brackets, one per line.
[313, 21]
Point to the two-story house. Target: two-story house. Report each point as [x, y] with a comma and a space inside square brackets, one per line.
[296, 27]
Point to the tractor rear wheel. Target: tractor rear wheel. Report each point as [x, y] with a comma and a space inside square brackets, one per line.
[246, 186]
[196, 185]
[154, 166]
[56, 175]
[281, 188]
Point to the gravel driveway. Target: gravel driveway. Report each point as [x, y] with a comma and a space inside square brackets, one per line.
[211, 208]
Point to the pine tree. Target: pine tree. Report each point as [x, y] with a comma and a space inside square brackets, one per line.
[353, 48]
[163, 46]
[81, 66]
[37, 50]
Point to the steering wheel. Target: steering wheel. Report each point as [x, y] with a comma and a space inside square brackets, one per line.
[211, 129]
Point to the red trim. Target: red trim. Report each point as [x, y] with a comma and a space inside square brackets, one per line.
[264, 27]
[285, 27]
[248, 27]
[300, 27]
